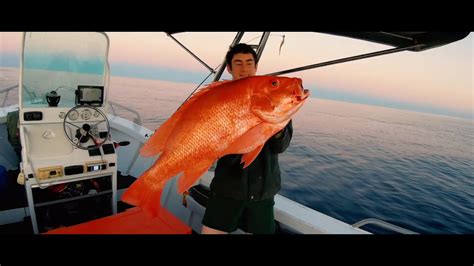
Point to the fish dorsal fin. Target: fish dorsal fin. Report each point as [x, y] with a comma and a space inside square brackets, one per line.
[156, 143]
[208, 87]
[204, 90]
[217, 83]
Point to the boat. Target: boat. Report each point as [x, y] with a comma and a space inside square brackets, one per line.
[69, 156]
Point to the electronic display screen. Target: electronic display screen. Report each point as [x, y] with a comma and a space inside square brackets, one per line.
[92, 95]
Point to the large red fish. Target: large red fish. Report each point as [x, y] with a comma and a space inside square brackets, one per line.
[229, 117]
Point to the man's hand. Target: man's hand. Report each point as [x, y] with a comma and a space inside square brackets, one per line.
[279, 134]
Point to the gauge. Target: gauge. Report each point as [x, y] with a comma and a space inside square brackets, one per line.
[73, 115]
[86, 114]
[61, 115]
[96, 114]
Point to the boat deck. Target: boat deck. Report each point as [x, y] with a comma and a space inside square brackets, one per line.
[131, 221]
[58, 215]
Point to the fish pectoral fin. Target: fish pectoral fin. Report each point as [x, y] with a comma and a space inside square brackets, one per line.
[158, 140]
[251, 139]
[248, 158]
[190, 176]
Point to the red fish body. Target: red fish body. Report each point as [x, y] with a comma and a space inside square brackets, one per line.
[230, 117]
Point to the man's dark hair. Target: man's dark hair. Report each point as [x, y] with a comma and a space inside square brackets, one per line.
[240, 48]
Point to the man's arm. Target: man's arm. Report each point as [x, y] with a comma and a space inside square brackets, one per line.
[280, 141]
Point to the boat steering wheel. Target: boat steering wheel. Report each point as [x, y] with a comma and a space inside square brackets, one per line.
[82, 123]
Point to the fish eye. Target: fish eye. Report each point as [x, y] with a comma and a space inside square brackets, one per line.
[275, 83]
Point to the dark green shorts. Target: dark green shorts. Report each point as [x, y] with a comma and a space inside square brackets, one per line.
[227, 215]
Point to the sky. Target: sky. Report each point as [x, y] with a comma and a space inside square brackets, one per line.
[438, 81]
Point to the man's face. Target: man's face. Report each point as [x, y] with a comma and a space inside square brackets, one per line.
[243, 66]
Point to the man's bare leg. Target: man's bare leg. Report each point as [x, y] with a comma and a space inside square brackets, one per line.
[210, 231]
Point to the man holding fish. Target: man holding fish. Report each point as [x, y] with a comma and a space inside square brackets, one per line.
[243, 123]
[243, 198]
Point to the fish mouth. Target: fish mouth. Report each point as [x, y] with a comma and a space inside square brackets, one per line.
[304, 96]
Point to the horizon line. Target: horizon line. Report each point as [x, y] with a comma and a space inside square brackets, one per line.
[126, 70]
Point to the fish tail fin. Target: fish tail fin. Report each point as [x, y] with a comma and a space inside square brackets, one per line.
[145, 196]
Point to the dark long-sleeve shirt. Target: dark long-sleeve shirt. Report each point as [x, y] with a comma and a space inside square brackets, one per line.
[260, 180]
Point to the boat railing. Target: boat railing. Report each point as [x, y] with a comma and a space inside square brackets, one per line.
[385, 225]
[6, 91]
[137, 119]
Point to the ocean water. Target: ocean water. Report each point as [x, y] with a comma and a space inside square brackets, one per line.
[353, 161]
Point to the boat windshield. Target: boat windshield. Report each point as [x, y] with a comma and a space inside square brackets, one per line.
[57, 63]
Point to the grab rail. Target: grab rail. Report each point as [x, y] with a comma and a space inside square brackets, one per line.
[136, 120]
[385, 225]
[6, 91]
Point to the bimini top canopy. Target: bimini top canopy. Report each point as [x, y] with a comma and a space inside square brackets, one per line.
[401, 41]
[424, 40]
